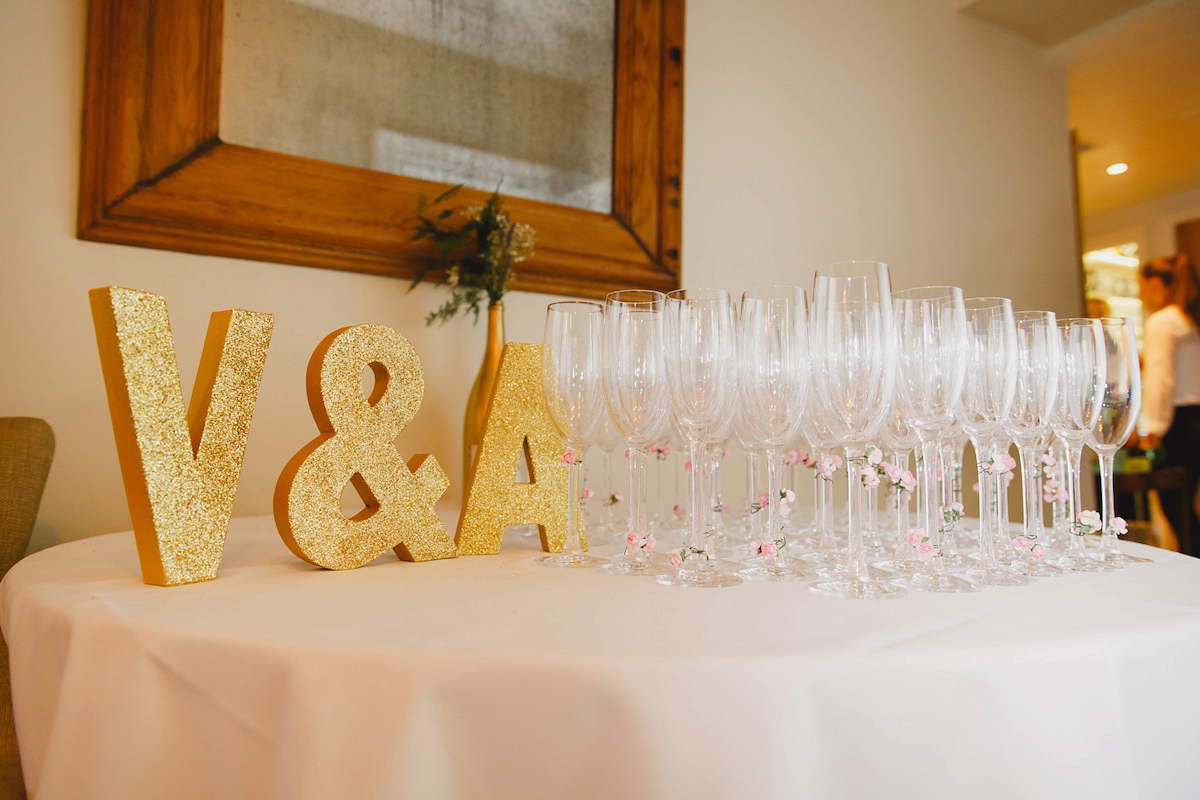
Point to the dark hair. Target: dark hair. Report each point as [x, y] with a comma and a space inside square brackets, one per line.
[1179, 278]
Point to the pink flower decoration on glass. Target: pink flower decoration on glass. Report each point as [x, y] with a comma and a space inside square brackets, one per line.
[1024, 542]
[687, 466]
[827, 466]
[784, 508]
[588, 494]
[907, 481]
[870, 478]
[1089, 521]
[808, 459]
[568, 456]
[676, 559]
[926, 549]
[915, 535]
[874, 455]
[1119, 526]
[892, 471]
[768, 549]
[1037, 551]
[791, 457]
[678, 509]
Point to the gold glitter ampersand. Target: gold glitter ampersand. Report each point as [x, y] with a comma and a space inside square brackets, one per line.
[518, 422]
[355, 446]
[180, 468]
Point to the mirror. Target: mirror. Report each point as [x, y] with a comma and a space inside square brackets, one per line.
[173, 157]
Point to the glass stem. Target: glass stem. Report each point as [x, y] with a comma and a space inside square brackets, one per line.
[1072, 462]
[1030, 490]
[1108, 534]
[658, 482]
[572, 547]
[774, 520]
[606, 521]
[696, 528]
[927, 485]
[856, 562]
[637, 497]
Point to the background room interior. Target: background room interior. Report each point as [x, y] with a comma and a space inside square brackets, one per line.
[930, 134]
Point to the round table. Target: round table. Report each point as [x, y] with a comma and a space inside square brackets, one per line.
[494, 677]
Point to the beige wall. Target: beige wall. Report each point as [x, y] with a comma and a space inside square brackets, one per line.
[815, 130]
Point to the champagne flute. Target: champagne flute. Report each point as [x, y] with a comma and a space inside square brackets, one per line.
[700, 353]
[1038, 365]
[571, 381]
[932, 341]
[852, 343]
[772, 379]
[986, 403]
[1080, 399]
[635, 388]
[1118, 416]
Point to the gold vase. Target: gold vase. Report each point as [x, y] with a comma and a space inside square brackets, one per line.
[480, 399]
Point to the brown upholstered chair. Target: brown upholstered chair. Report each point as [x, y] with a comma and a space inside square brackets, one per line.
[26, 449]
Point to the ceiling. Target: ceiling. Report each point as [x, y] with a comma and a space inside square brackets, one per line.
[1133, 84]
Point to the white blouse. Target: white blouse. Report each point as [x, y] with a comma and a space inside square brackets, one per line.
[1171, 366]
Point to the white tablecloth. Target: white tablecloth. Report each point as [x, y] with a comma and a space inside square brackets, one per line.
[494, 677]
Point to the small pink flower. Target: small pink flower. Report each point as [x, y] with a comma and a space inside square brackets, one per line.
[664, 450]
[827, 466]
[1089, 521]
[915, 535]
[687, 466]
[676, 559]
[1024, 542]
[874, 456]
[784, 508]
[649, 543]
[1038, 552]
[892, 472]
[925, 549]
[678, 509]
[633, 539]
[769, 549]
[870, 478]
[763, 499]
[1010, 463]
[1119, 526]
[725, 508]
[791, 457]
[808, 459]
[568, 456]
[588, 494]
[907, 482]
[788, 495]
[975, 487]
[837, 461]
[755, 546]
[1049, 460]
[627, 452]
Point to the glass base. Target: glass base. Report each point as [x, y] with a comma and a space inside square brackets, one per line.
[821, 558]
[996, 576]
[841, 570]
[571, 561]
[1039, 569]
[699, 579]
[1084, 563]
[786, 569]
[627, 565]
[1120, 559]
[901, 567]
[955, 561]
[855, 589]
[937, 582]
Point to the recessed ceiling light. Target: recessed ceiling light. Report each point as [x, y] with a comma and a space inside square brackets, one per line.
[1117, 169]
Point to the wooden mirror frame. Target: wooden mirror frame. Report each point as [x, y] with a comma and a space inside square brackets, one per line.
[155, 173]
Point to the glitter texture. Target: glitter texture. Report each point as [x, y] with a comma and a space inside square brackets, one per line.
[494, 499]
[180, 468]
[355, 446]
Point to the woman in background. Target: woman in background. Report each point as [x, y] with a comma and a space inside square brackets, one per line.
[1171, 373]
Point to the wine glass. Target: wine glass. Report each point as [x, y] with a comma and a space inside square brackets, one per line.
[772, 379]
[1118, 416]
[932, 341]
[635, 388]
[1082, 378]
[853, 372]
[571, 380]
[700, 353]
[1039, 362]
[987, 400]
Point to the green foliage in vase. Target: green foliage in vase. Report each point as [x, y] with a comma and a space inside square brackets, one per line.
[477, 246]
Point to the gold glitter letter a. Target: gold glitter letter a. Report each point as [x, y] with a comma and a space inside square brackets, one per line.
[494, 499]
[180, 467]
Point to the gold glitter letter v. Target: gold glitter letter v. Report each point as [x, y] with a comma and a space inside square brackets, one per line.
[180, 467]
